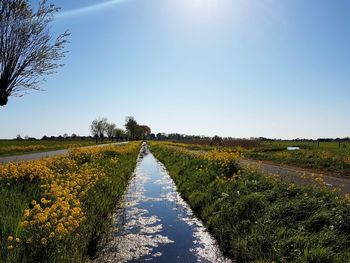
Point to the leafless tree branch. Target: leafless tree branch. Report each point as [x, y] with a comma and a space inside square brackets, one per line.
[27, 49]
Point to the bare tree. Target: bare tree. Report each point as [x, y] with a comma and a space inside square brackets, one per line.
[98, 128]
[27, 50]
[109, 130]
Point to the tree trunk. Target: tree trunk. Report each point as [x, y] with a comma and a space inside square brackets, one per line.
[3, 98]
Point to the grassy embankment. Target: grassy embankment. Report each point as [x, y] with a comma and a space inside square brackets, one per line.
[327, 158]
[12, 147]
[57, 209]
[255, 217]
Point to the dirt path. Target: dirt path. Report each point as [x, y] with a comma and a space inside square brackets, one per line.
[299, 175]
[41, 155]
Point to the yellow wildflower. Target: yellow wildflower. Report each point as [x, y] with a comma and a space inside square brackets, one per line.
[43, 241]
[26, 212]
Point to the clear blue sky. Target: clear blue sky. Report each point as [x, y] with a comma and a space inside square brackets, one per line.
[229, 67]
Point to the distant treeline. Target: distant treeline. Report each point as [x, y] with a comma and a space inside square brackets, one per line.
[176, 136]
[145, 134]
[55, 138]
[345, 139]
[225, 142]
[232, 142]
[205, 140]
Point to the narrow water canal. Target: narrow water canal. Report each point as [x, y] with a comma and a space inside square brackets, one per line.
[154, 223]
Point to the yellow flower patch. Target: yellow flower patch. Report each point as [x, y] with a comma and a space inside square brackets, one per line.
[64, 181]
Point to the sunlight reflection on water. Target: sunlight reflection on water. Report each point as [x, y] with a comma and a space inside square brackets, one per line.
[153, 223]
[293, 148]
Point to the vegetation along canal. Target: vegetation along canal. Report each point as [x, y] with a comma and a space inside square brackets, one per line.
[154, 223]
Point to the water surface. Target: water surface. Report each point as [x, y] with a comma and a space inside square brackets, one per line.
[293, 148]
[153, 223]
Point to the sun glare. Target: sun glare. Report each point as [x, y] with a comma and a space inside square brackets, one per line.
[203, 7]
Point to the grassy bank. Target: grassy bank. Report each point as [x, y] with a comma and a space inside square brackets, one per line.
[56, 209]
[325, 157]
[12, 147]
[257, 218]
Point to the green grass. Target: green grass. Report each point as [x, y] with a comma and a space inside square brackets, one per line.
[15, 197]
[327, 158]
[116, 163]
[256, 218]
[12, 147]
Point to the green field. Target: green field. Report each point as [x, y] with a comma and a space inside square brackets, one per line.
[57, 209]
[327, 157]
[12, 147]
[256, 217]
[326, 146]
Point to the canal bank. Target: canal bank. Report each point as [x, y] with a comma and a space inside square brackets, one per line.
[153, 222]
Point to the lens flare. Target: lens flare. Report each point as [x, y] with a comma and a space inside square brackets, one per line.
[91, 8]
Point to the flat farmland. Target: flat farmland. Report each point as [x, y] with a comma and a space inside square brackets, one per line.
[325, 157]
[15, 147]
